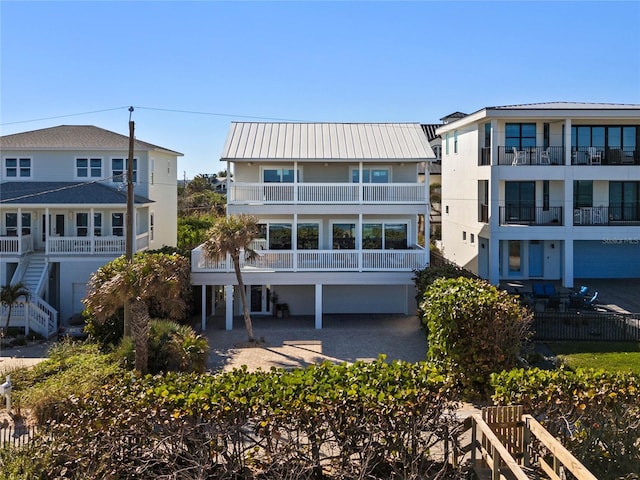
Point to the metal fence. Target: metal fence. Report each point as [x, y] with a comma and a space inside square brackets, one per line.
[587, 326]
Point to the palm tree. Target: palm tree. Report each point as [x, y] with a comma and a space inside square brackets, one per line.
[9, 294]
[150, 278]
[233, 235]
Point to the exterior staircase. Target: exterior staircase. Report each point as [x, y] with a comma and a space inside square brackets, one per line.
[36, 314]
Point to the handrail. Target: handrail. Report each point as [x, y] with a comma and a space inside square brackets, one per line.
[558, 451]
[499, 455]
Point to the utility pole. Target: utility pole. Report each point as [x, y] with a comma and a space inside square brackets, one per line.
[129, 228]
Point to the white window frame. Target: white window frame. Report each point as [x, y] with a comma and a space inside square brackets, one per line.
[90, 169]
[79, 225]
[356, 170]
[263, 168]
[121, 177]
[114, 226]
[18, 168]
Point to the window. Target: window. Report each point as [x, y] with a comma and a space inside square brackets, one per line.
[387, 236]
[610, 137]
[455, 141]
[117, 224]
[487, 135]
[151, 225]
[97, 224]
[279, 175]
[472, 238]
[582, 193]
[545, 195]
[371, 175]
[514, 256]
[624, 201]
[520, 200]
[520, 135]
[88, 167]
[118, 170]
[446, 209]
[279, 236]
[18, 167]
[344, 236]
[11, 224]
[308, 236]
[464, 236]
[546, 135]
[82, 224]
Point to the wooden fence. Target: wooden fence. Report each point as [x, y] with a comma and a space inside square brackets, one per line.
[586, 325]
[16, 436]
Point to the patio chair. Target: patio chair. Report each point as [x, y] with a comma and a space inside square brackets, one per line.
[545, 159]
[595, 157]
[519, 157]
[591, 302]
[538, 290]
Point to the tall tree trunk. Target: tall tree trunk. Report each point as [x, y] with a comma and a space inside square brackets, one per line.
[245, 308]
[140, 326]
[6, 327]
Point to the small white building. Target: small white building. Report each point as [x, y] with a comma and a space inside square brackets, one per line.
[338, 206]
[62, 212]
[543, 191]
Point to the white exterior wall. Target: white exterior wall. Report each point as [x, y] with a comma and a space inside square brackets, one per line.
[164, 193]
[74, 272]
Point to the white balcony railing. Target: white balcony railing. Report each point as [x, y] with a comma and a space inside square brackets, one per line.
[17, 245]
[86, 245]
[327, 193]
[318, 260]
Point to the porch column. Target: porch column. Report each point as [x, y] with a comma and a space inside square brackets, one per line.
[567, 271]
[294, 241]
[203, 321]
[494, 260]
[360, 187]
[295, 182]
[228, 289]
[19, 232]
[494, 141]
[359, 242]
[319, 306]
[47, 229]
[91, 230]
[213, 299]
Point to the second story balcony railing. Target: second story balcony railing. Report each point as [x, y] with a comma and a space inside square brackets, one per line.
[604, 156]
[17, 245]
[531, 156]
[327, 193]
[318, 260]
[620, 215]
[86, 245]
[528, 215]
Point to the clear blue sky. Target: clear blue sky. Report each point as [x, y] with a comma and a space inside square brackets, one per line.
[311, 61]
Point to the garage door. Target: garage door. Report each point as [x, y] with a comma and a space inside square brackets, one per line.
[606, 259]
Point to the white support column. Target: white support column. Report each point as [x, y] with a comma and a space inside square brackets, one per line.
[318, 306]
[567, 271]
[360, 184]
[214, 292]
[359, 242]
[567, 141]
[494, 260]
[92, 230]
[203, 323]
[228, 289]
[294, 241]
[47, 229]
[295, 182]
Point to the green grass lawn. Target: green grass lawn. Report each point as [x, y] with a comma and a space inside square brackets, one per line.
[610, 356]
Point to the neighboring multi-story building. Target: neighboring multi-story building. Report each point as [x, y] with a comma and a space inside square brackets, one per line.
[543, 191]
[338, 206]
[63, 203]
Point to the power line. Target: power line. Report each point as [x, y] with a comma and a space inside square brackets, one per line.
[63, 116]
[217, 114]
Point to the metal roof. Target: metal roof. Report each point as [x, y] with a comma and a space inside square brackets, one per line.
[568, 106]
[326, 141]
[63, 193]
[74, 137]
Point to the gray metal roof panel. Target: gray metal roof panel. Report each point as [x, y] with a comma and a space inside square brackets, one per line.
[74, 137]
[331, 141]
[59, 193]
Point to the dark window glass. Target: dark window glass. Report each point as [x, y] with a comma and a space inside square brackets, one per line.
[308, 236]
[280, 236]
[372, 236]
[582, 193]
[344, 236]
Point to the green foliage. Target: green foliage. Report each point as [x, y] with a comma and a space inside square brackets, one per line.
[379, 419]
[192, 230]
[71, 369]
[425, 277]
[473, 329]
[26, 462]
[172, 347]
[108, 332]
[595, 414]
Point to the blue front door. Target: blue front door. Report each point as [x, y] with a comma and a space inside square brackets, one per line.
[535, 258]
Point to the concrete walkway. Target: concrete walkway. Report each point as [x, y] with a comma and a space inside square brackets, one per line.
[294, 342]
[23, 356]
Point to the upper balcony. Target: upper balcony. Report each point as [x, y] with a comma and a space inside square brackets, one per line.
[53, 245]
[318, 261]
[327, 193]
[555, 156]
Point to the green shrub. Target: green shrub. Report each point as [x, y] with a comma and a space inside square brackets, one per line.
[595, 414]
[425, 277]
[72, 369]
[473, 329]
[172, 347]
[107, 333]
[380, 420]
